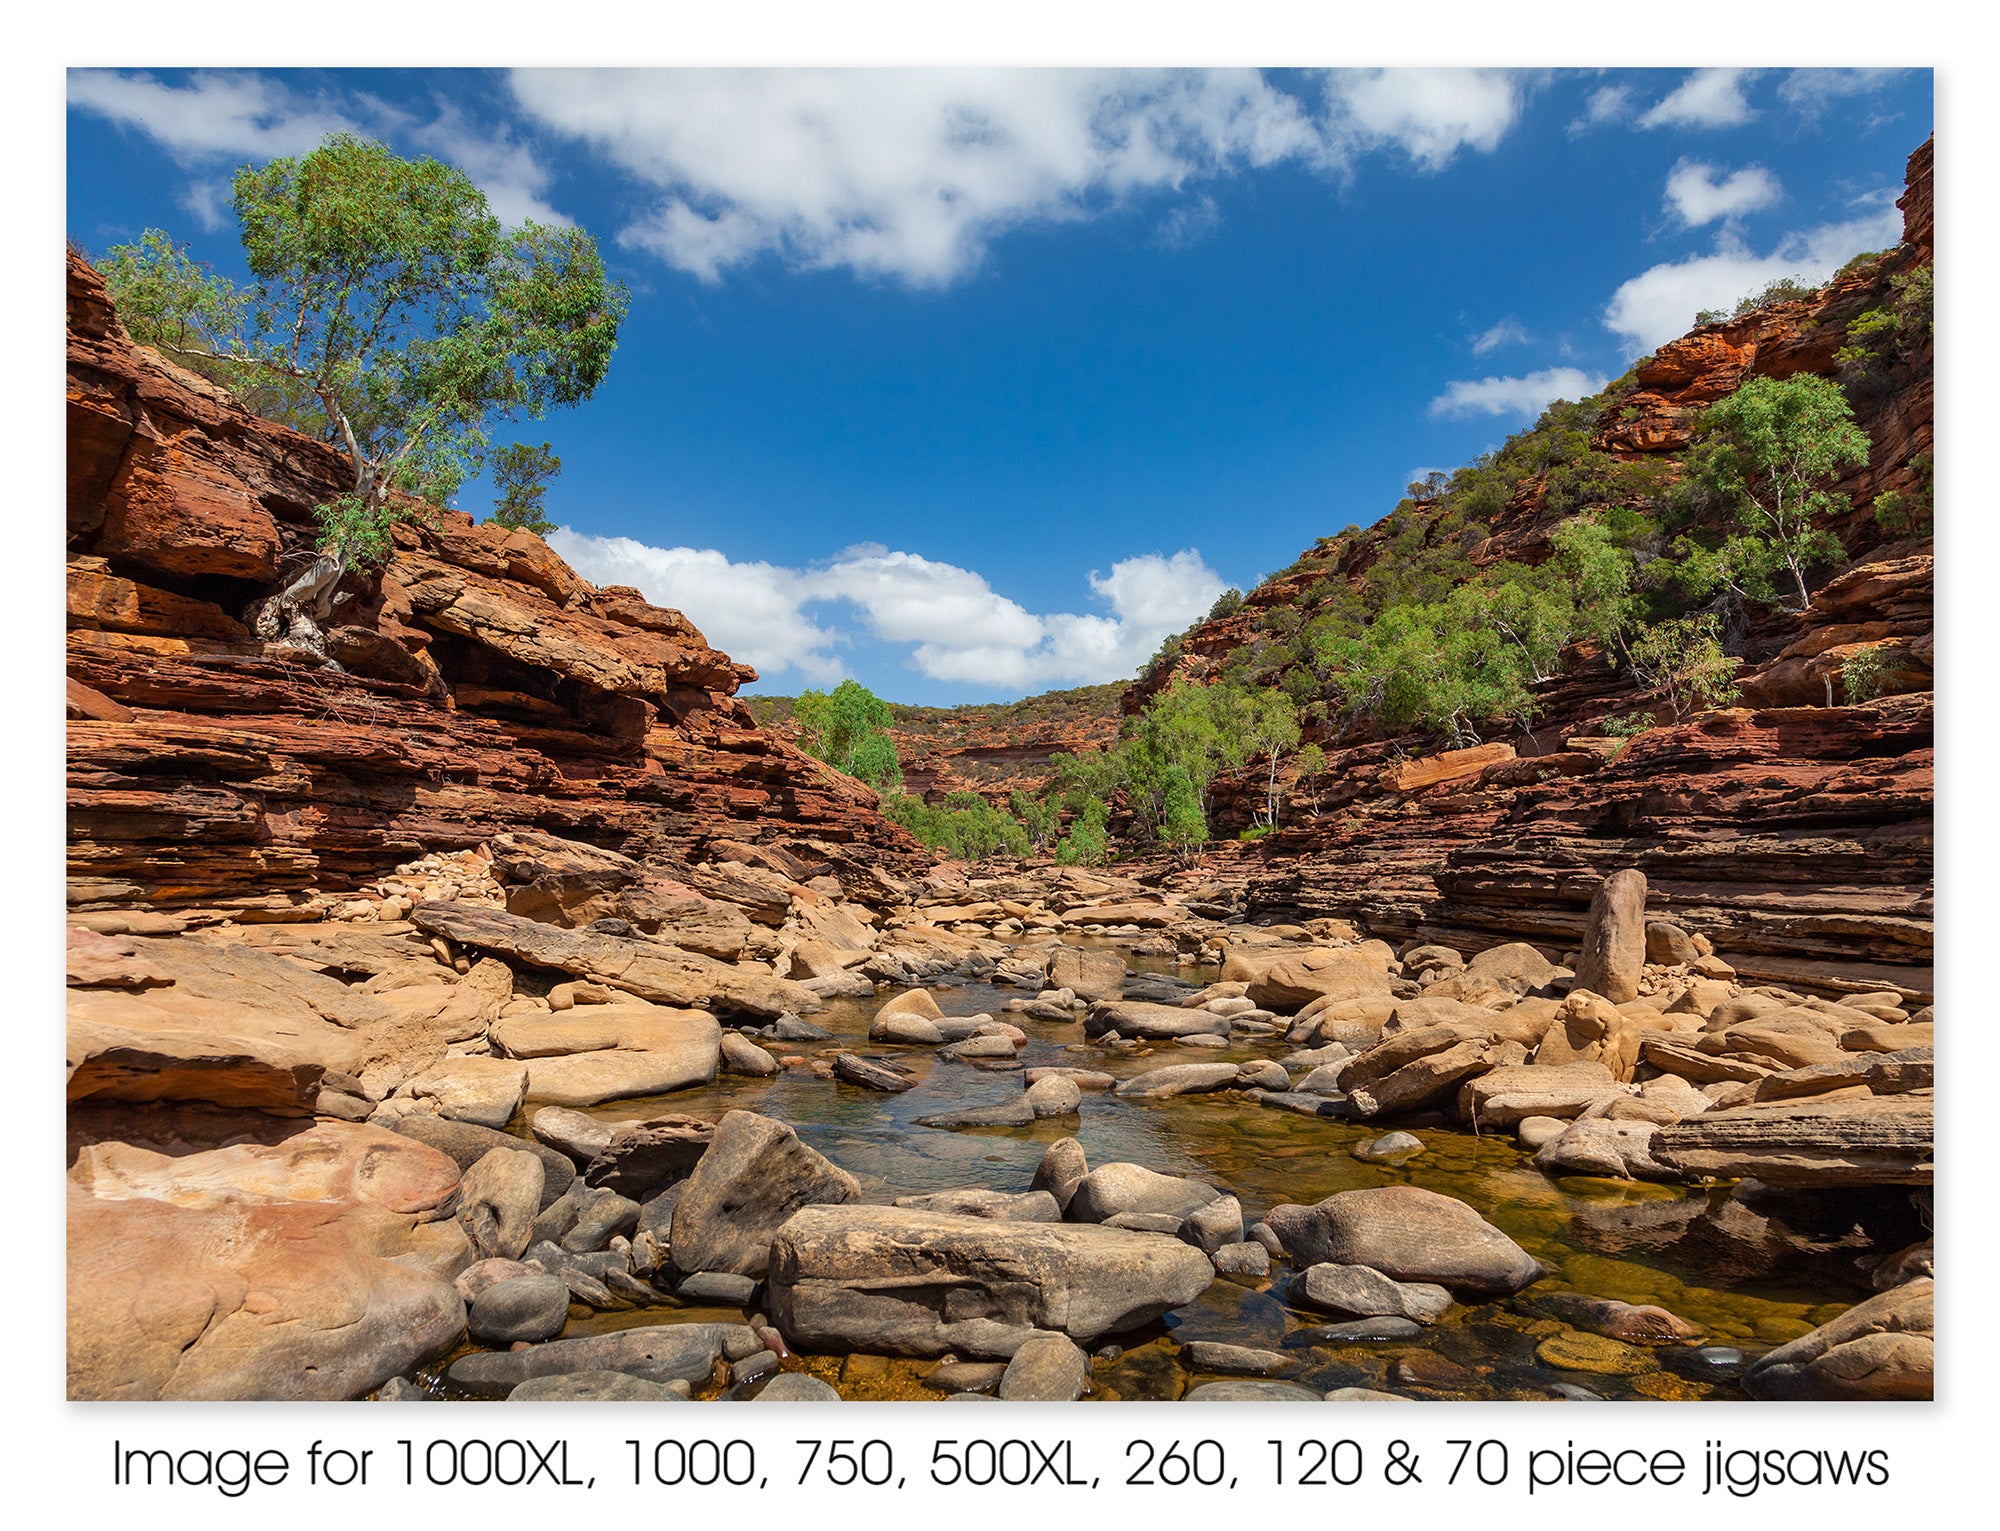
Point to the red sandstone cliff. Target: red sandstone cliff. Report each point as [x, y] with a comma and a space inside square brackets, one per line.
[481, 683]
[1796, 832]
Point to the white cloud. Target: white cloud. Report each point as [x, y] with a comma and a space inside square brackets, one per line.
[1608, 103]
[1523, 396]
[214, 114]
[1708, 98]
[1812, 91]
[1429, 113]
[1660, 304]
[1507, 332]
[500, 165]
[904, 173]
[1698, 194]
[957, 627]
[241, 115]
[751, 611]
[208, 202]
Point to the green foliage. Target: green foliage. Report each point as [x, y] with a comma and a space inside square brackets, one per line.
[1226, 604]
[521, 474]
[1902, 514]
[390, 314]
[1883, 343]
[1786, 289]
[965, 827]
[1769, 451]
[1088, 842]
[1183, 824]
[1312, 765]
[1624, 728]
[1271, 725]
[1683, 659]
[1914, 293]
[1040, 817]
[849, 729]
[1432, 666]
[1256, 831]
[349, 522]
[1864, 673]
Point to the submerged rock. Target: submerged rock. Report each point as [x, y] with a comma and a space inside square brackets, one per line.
[1410, 1234]
[1879, 1349]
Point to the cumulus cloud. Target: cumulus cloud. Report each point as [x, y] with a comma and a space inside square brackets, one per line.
[1708, 98]
[1430, 114]
[1660, 304]
[212, 115]
[242, 115]
[910, 173]
[905, 173]
[1507, 332]
[1698, 194]
[956, 626]
[751, 611]
[1522, 396]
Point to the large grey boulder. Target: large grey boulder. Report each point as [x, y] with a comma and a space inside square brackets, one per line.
[466, 1143]
[753, 1177]
[529, 1307]
[891, 1281]
[1114, 1188]
[1407, 1233]
[1614, 938]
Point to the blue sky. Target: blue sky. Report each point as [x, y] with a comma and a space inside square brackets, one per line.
[972, 384]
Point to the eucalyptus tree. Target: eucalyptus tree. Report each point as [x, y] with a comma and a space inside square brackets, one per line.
[391, 314]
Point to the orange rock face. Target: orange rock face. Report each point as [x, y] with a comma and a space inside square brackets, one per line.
[482, 684]
[1795, 830]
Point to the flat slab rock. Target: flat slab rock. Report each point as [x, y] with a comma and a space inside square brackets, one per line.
[1179, 1079]
[655, 1353]
[893, 1281]
[596, 1053]
[1871, 1140]
[652, 970]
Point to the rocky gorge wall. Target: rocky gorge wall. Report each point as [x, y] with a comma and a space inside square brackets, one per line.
[1796, 832]
[481, 685]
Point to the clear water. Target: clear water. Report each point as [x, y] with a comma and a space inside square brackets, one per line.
[1750, 1275]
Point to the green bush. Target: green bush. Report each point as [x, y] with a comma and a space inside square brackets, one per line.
[848, 728]
[1684, 660]
[965, 827]
[1863, 674]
